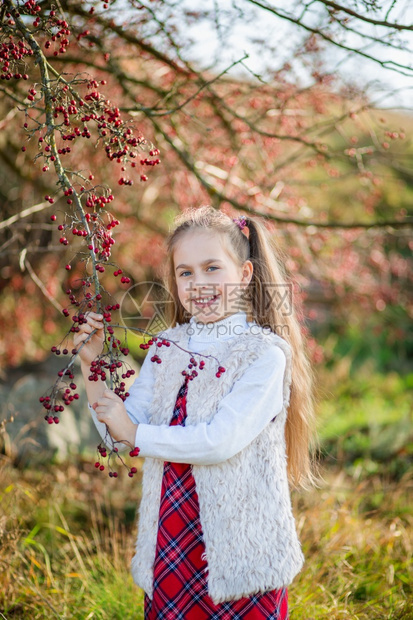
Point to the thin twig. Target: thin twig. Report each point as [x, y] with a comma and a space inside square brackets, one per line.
[41, 285]
[25, 213]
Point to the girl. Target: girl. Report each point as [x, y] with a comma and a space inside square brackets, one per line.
[221, 435]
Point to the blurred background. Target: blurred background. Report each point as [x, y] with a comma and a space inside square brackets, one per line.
[298, 112]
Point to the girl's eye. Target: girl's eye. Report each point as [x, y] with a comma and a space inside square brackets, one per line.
[210, 267]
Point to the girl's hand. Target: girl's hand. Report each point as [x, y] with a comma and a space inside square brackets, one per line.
[111, 410]
[94, 345]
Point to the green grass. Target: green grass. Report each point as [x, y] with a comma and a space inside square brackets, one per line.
[358, 554]
[67, 531]
[365, 421]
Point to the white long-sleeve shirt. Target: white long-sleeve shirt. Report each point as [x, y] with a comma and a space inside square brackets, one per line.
[251, 404]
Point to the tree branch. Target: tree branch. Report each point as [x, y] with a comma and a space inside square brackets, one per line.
[364, 18]
[25, 213]
[386, 64]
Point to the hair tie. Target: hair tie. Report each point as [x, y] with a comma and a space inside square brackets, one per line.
[240, 221]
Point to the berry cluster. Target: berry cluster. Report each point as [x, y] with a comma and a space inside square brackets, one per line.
[11, 55]
[50, 403]
[189, 376]
[76, 115]
[193, 364]
[98, 236]
[103, 454]
[98, 367]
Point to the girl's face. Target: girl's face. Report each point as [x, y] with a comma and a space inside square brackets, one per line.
[209, 282]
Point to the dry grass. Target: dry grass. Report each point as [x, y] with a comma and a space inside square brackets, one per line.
[358, 544]
[66, 544]
[67, 536]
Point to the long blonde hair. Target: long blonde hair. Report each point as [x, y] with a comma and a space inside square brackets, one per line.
[258, 247]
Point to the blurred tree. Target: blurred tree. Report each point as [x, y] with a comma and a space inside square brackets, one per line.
[91, 91]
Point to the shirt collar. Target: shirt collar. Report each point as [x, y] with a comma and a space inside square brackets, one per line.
[230, 326]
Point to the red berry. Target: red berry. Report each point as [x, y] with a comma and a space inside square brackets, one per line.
[97, 464]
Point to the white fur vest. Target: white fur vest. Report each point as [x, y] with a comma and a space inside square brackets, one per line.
[251, 544]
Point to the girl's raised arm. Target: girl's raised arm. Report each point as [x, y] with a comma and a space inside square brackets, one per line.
[90, 351]
[141, 390]
[138, 401]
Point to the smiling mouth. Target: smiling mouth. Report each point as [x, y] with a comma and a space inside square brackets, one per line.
[205, 301]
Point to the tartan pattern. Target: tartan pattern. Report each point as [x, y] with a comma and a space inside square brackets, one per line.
[180, 589]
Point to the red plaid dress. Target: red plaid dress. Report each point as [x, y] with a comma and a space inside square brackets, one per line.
[180, 589]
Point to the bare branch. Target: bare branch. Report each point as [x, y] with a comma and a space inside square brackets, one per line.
[25, 213]
[365, 18]
[25, 263]
[216, 194]
[406, 70]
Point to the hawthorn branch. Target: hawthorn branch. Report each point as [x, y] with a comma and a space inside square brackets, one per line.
[12, 95]
[60, 171]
